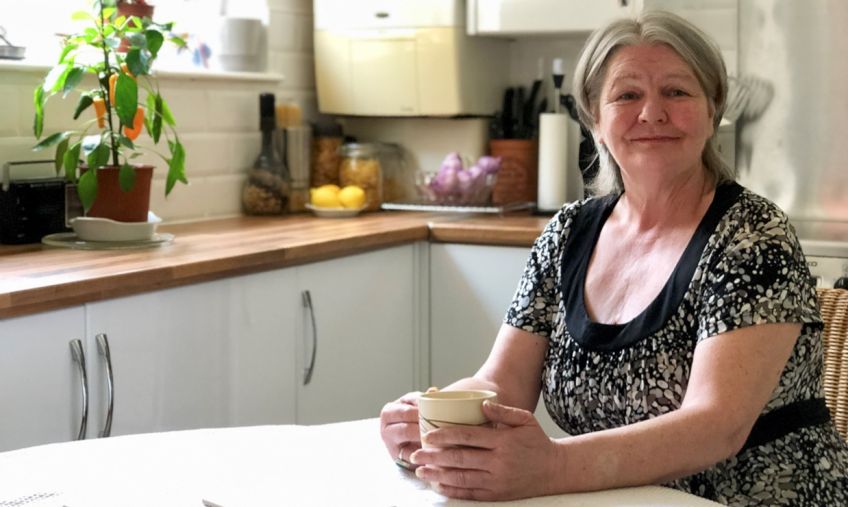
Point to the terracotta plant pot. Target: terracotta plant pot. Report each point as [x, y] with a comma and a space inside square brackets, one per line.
[140, 10]
[517, 177]
[112, 202]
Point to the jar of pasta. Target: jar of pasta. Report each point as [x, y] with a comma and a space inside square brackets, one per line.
[360, 166]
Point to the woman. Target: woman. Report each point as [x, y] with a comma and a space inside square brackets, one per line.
[669, 324]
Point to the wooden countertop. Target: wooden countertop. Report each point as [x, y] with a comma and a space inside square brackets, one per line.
[36, 278]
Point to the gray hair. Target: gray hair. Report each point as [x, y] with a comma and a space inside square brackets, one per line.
[653, 27]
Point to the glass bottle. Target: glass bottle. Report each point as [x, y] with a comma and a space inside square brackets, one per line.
[360, 166]
[267, 189]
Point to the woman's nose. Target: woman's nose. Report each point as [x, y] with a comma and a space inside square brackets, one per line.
[653, 111]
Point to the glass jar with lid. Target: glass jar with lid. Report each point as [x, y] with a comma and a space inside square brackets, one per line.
[360, 166]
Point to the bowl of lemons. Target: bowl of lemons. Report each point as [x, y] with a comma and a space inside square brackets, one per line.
[332, 201]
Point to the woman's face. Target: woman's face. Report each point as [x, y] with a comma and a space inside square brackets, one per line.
[653, 115]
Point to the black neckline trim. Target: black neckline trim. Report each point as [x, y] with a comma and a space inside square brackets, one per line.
[585, 230]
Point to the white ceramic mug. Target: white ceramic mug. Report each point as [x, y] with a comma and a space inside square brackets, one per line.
[452, 408]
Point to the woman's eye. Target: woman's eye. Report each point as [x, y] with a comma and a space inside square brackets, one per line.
[628, 96]
[676, 92]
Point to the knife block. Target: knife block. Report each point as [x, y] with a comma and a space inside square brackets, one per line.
[516, 181]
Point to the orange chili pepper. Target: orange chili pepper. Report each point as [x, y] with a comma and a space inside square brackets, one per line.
[126, 70]
[113, 79]
[100, 111]
[138, 123]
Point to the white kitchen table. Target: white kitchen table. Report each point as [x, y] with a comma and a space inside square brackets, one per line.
[342, 464]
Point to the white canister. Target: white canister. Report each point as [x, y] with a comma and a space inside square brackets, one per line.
[242, 36]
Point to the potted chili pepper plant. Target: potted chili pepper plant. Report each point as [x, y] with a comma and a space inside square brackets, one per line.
[124, 101]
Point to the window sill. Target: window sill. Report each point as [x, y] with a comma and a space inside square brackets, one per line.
[190, 75]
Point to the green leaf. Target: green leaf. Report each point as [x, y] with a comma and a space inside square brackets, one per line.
[56, 77]
[38, 102]
[87, 188]
[58, 137]
[156, 131]
[178, 41]
[61, 149]
[98, 157]
[71, 161]
[73, 78]
[67, 49]
[82, 16]
[84, 103]
[176, 166]
[137, 63]
[126, 97]
[166, 114]
[90, 35]
[137, 40]
[154, 41]
[126, 141]
[126, 177]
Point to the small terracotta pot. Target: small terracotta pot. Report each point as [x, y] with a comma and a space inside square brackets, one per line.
[142, 11]
[113, 203]
[518, 175]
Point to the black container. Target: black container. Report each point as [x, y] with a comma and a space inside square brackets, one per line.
[31, 209]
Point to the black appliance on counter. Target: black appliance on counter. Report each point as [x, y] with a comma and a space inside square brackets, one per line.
[31, 207]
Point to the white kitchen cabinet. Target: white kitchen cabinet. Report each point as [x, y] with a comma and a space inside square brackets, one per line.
[263, 310]
[170, 353]
[517, 17]
[471, 287]
[364, 335]
[230, 352]
[40, 384]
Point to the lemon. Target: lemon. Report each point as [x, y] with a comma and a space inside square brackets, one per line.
[352, 196]
[325, 196]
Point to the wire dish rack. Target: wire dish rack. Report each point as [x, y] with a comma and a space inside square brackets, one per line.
[447, 208]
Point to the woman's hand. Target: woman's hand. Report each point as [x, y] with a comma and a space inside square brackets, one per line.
[514, 459]
[399, 427]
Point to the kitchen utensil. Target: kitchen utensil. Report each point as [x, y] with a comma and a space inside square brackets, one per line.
[747, 97]
[10, 51]
[737, 98]
[506, 113]
[558, 77]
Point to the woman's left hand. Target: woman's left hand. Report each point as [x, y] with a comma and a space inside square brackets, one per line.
[513, 459]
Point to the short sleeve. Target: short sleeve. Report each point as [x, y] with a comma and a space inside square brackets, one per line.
[760, 276]
[534, 306]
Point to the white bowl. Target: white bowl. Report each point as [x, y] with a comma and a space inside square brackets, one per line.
[334, 212]
[103, 229]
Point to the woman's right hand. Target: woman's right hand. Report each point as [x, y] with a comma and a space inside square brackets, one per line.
[399, 427]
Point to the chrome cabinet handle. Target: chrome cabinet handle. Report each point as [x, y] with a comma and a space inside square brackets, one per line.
[78, 356]
[103, 348]
[307, 372]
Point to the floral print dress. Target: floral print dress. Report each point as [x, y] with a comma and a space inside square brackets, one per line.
[742, 267]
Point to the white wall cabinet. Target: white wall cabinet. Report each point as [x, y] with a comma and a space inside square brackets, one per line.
[471, 287]
[40, 390]
[517, 17]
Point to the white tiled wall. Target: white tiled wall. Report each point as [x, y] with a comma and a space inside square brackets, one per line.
[218, 120]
